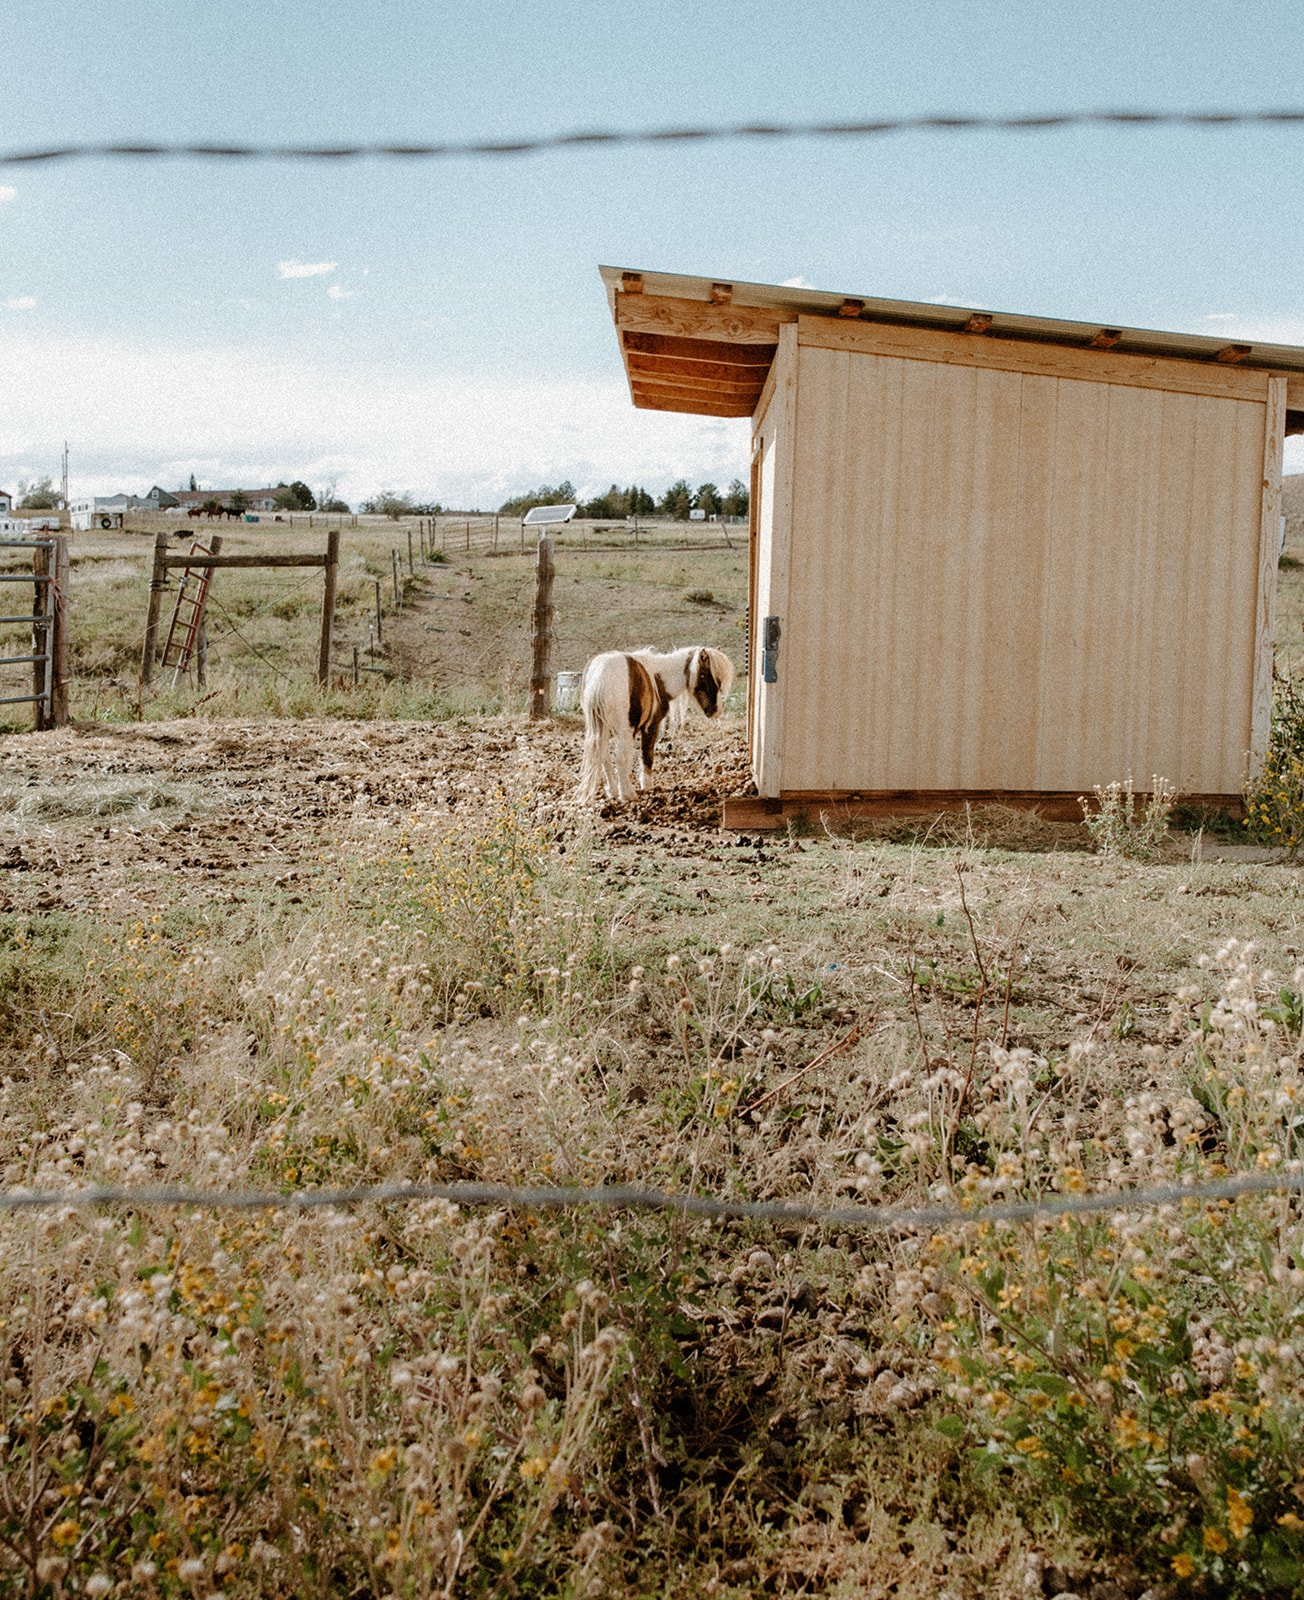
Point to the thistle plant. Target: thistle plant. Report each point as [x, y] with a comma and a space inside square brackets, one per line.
[1118, 825]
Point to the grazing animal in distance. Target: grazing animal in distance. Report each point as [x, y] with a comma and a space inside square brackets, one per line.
[625, 697]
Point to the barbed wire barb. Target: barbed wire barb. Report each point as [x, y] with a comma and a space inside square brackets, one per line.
[596, 138]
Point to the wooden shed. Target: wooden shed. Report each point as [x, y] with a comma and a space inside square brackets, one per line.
[993, 557]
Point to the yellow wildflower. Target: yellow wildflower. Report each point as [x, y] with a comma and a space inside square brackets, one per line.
[65, 1533]
[1240, 1519]
[1183, 1565]
[1215, 1539]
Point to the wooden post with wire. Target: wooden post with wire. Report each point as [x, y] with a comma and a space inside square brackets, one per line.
[201, 638]
[163, 562]
[60, 666]
[540, 665]
[328, 605]
[158, 581]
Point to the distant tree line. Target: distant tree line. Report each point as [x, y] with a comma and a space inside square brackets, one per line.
[678, 500]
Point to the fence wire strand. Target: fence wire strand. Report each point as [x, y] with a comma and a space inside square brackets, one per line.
[592, 139]
[629, 1197]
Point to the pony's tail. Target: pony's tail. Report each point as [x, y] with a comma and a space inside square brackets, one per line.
[590, 785]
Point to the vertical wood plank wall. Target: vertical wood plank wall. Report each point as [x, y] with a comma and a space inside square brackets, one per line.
[1014, 580]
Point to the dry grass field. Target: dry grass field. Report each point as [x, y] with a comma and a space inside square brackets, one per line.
[279, 939]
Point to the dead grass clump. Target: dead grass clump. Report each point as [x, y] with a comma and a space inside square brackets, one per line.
[981, 827]
[102, 796]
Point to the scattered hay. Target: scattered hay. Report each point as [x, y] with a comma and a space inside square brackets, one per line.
[980, 827]
[101, 795]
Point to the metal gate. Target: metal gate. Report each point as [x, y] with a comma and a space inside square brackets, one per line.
[46, 652]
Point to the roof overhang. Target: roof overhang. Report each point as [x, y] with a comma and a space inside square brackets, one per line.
[704, 346]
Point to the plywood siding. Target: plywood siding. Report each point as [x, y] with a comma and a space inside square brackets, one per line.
[1012, 580]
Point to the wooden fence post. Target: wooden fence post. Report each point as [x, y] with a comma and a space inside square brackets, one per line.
[42, 638]
[412, 571]
[540, 665]
[61, 655]
[393, 559]
[379, 631]
[201, 636]
[158, 581]
[328, 606]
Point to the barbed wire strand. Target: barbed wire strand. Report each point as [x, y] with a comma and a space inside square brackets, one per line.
[590, 139]
[628, 1197]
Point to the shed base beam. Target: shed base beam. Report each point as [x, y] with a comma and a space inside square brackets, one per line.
[747, 813]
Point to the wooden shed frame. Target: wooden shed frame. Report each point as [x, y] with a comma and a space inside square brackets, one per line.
[992, 557]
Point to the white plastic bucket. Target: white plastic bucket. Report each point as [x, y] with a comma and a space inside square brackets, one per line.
[567, 696]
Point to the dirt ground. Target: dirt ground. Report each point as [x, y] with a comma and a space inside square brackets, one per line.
[118, 818]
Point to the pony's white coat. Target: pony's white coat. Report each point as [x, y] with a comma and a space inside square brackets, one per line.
[625, 698]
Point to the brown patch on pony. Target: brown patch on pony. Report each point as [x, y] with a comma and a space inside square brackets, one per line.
[648, 704]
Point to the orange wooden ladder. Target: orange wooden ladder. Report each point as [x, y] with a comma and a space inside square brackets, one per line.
[187, 615]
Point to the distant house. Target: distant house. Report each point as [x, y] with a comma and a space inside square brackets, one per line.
[6, 502]
[156, 500]
[254, 499]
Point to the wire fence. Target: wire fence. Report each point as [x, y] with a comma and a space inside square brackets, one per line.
[627, 1198]
[1120, 118]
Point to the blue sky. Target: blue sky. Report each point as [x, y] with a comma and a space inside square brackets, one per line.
[454, 340]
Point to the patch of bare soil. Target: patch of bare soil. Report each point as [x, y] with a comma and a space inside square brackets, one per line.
[99, 817]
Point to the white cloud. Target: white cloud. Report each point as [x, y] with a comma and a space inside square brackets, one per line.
[305, 269]
[464, 440]
[944, 300]
[797, 283]
[1222, 316]
[21, 302]
[7, 192]
[337, 291]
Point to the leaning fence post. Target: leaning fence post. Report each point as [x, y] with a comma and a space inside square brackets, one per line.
[393, 561]
[157, 583]
[412, 571]
[540, 674]
[379, 634]
[328, 606]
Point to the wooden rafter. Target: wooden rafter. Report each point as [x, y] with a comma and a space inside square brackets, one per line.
[1232, 354]
[675, 366]
[979, 322]
[745, 390]
[738, 355]
[1106, 339]
[699, 319]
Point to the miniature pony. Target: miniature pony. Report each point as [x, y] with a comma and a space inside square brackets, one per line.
[625, 698]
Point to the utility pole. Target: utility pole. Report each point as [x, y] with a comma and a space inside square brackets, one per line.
[65, 474]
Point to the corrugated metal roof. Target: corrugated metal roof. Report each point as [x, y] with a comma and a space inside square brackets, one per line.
[720, 370]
